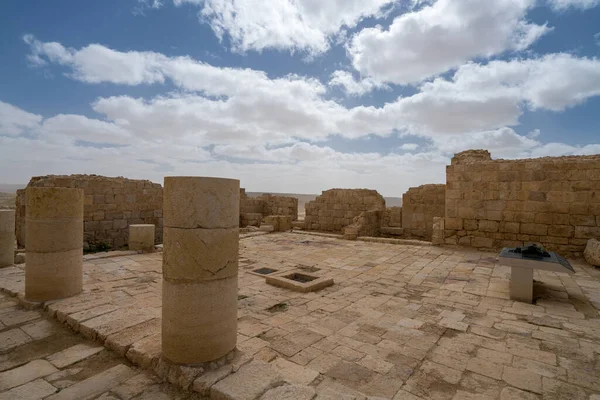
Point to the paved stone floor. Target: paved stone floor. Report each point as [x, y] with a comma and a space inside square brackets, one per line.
[400, 322]
[41, 359]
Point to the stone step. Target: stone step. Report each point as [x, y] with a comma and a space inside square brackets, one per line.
[392, 231]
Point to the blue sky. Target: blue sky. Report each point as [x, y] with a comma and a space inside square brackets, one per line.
[293, 95]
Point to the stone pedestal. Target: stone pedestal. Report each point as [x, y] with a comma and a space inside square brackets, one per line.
[141, 238]
[521, 284]
[200, 267]
[54, 229]
[7, 238]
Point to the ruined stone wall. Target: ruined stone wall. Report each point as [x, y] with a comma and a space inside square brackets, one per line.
[280, 205]
[368, 223]
[492, 204]
[419, 206]
[253, 209]
[250, 204]
[20, 218]
[392, 217]
[336, 208]
[111, 205]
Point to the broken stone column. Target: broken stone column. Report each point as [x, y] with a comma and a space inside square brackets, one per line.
[141, 237]
[200, 268]
[7, 237]
[54, 239]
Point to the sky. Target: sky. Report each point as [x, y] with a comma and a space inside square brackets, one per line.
[294, 96]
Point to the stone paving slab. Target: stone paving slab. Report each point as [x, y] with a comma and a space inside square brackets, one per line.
[401, 321]
[65, 366]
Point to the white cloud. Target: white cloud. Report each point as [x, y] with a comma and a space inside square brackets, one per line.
[502, 143]
[85, 129]
[352, 86]
[409, 146]
[14, 121]
[441, 36]
[552, 82]
[562, 5]
[306, 25]
[562, 149]
[220, 105]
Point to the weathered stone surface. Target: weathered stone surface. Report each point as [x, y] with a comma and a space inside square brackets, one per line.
[13, 338]
[95, 384]
[25, 373]
[190, 335]
[492, 204]
[336, 208]
[73, 354]
[54, 243]
[132, 387]
[295, 373]
[141, 237]
[39, 329]
[199, 307]
[35, 390]
[7, 237]
[249, 383]
[592, 252]
[204, 382]
[290, 392]
[523, 379]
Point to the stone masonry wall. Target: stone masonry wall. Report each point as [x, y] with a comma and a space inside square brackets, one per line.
[368, 223]
[392, 217]
[336, 208]
[419, 206]
[265, 205]
[280, 205]
[20, 218]
[111, 205]
[492, 204]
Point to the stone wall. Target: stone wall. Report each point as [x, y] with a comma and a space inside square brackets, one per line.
[280, 205]
[392, 217]
[419, 206]
[368, 223]
[111, 205]
[20, 218]
[253, 209]
[492, 204]
[337, 208]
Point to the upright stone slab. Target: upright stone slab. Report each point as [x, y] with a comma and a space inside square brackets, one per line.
[54, 229]
[7, 237]
[141, 237]
[200, 267]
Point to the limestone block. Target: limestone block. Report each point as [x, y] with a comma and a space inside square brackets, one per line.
[267, 228]
[200, 254]
[592, 252]
[219, 207]
[54, 240]
[20, 258]
[141, 237]
[7, 237]
[199, 320]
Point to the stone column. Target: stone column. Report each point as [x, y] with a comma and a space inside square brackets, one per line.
[200, 268]
[7, 238]
[54, 240]
[141, 237]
